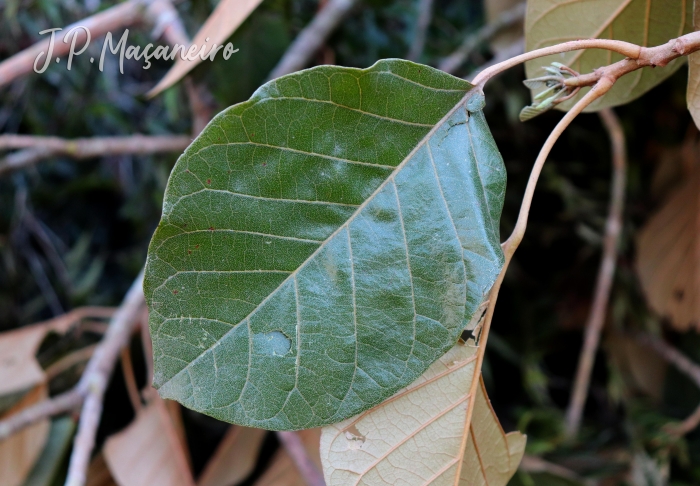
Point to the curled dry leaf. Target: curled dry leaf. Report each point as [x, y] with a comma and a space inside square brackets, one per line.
[642, 22]
[148, 452]
[423, 435]
[223, 21]
[668, 257]
[235, 457]
[282, 471]
[693, 91]
[19, 452]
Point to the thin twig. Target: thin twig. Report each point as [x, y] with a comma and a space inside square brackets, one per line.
[81, 355]
[112, 19]
[673, 356]
[687, 367]
[606, 272]
[535, 464]
[638, 57]
[310, 40]
[507, 19]
[602, 87]
[94, 381]
[296, 450]
[60, 404]
[38, 148]
[425, 16]
[689, 424]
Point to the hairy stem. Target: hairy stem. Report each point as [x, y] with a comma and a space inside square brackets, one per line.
[602, 87]
[621, 47]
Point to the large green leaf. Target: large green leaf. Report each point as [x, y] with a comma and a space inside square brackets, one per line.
[323, 243]
[646, 23]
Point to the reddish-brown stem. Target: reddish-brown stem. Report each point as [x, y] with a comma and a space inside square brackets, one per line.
[648, 56]
[606, 272]
[637, 57]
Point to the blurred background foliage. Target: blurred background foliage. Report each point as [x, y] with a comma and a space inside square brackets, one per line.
[75, 233]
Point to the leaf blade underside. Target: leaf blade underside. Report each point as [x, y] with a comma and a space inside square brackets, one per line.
[421, 436]
[323, 243]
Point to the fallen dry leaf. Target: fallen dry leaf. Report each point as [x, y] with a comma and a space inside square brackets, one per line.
[19, 369]
[19, 452]
[23, 383]
[421, 435]
[148, 452]
[282, 471]
[235, 457]
[224, 20]
[668, 256]
[693, 91]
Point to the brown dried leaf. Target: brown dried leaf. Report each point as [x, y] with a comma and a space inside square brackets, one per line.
[282, 471]
[148, 452]
[19, 452]
[223, 21]
[668, 256]
[235, 457]
[19, 369]
[693, 92]
[421, 435]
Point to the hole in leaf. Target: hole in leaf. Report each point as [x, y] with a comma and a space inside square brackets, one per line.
[354, 437]
[273, 343]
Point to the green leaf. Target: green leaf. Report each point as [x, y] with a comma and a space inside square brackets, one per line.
[646, 23]
[323, 243]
